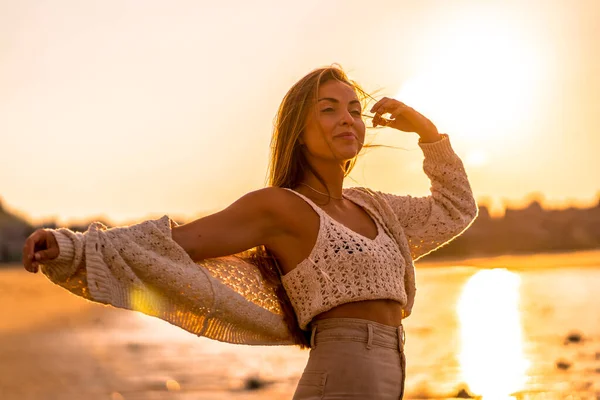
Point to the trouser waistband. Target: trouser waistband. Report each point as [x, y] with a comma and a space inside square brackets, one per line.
[360, 330]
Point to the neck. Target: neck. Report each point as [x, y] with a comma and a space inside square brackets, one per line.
[333, 175]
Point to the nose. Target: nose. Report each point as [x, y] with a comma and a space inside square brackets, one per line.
[347, 118]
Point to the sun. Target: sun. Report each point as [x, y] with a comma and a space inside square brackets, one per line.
[478, 81]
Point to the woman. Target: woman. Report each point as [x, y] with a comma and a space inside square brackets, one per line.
[302, 261]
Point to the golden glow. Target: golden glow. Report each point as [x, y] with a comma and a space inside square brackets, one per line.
[479, 80]
[145, 301]
[514, 84]
[491, 356]
[476, 158]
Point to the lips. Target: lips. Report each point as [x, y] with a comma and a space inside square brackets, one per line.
[345, 135]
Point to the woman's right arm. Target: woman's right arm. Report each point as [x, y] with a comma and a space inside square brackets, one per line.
[158, 268]
[257, 218]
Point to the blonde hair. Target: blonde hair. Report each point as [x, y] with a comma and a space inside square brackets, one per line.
[287, 166]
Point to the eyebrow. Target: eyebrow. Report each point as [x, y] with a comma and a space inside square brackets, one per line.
[337, 101]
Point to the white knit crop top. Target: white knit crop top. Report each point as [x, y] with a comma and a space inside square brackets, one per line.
[344, 266]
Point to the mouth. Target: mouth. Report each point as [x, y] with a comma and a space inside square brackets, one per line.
[346, 135]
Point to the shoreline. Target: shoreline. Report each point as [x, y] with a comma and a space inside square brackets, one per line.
[581, 258]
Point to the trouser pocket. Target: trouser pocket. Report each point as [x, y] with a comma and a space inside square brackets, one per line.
[311, 385]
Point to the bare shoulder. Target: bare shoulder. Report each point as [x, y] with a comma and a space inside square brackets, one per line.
[285, 207]
[278, 201]
[294, 222]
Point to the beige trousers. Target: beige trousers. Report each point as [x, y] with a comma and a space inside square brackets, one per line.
[353, 358]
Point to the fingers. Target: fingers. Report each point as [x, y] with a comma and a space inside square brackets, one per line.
[46, 255]
[400, 110]
[377, 106]
[377, 109]
[387, 106]
[46, 248]
[402, 117]
[27, 262]
[379, 120]
[28, 250]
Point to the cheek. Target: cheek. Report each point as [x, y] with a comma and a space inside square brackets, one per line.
[314, 138]
[327, 124]
[361, 130]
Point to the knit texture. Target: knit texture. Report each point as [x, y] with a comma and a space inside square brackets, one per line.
[344, 266]
[140, 267]
[422, 224]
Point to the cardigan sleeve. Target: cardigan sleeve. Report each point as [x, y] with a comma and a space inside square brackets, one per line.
[432, 221]
[141, 268]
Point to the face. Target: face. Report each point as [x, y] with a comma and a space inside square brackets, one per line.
[335, 130]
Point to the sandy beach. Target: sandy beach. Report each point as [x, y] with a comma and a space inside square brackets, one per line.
[33, 347]
[55, 345]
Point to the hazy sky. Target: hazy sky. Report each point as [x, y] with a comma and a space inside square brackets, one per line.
[127, 109]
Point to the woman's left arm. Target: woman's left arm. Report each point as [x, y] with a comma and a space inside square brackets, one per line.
[431, 221]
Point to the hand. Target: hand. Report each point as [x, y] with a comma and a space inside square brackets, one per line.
[402, 117]
[40, 246]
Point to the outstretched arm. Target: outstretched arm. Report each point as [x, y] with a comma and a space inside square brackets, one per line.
[141, 267]
[255, 219]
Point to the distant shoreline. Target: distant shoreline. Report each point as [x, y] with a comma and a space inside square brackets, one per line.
[530, 230]
[579, 258]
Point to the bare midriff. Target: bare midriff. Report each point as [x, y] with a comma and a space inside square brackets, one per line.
[383, 311]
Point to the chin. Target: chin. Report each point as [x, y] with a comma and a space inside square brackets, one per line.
[348, 154]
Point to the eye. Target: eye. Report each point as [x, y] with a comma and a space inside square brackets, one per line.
[356, 112]
[327, 109]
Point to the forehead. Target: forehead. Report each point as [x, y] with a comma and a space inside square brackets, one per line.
[337, 90]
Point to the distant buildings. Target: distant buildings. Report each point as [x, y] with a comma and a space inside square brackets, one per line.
[528, 230]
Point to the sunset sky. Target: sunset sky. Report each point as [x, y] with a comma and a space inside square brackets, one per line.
[129, 109]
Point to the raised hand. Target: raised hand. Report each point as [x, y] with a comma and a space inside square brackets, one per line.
[40, 246]
[402, 117]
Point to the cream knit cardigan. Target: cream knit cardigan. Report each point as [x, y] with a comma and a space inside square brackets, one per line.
[141, 268]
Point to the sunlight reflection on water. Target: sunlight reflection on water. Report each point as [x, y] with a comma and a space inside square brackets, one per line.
[491, 356]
